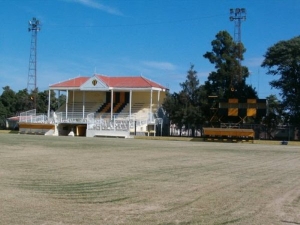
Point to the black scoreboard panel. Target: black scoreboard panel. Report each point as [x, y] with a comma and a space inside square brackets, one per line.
[243, 107]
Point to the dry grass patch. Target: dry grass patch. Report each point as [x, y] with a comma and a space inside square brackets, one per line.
[65, 180]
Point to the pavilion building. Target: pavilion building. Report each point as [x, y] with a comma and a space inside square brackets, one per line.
[101, 106]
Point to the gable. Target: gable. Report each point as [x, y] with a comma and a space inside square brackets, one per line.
[129, 82]
[94, 84]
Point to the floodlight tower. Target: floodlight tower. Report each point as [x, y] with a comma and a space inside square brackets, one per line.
[238, 15]
[33, 27]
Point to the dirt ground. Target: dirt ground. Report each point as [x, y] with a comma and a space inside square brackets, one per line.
[67, 180]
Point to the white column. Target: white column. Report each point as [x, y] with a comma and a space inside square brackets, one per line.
[151, 104]
[83, 105]
[73, 104]
[111, 103]
[158, 98]
[130, 103]
[67, 103]
[49, 99]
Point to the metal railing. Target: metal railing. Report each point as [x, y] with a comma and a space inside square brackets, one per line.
[31, 117]
[119, 122]
[106, 120]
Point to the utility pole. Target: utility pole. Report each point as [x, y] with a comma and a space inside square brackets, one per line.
[33, 27]
[238, 15]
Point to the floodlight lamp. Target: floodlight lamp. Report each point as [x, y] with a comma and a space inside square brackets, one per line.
[237, 10]
[243, 10]
[231, 11]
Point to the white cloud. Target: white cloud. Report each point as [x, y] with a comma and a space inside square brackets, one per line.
[254, 62]
[96, 5]
[159, 65]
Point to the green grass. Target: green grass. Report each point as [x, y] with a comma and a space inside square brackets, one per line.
[66, 180]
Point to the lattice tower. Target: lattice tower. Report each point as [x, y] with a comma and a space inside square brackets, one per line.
[237, 15]
[33, 27]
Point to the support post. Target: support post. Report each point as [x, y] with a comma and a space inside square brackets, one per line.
[67, 103]
[150, 115]
[49, 99]
[111, 104]
[83, 105]
[130, 103]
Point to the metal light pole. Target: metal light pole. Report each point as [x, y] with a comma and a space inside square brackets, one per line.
[33, 27]
[238, 15]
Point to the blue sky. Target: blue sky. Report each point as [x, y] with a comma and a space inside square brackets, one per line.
[158, 39]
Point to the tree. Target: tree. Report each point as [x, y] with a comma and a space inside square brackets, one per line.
[22, 101]
[42, 102]
[3, 115]
[283, 60]
[229, 79]
[12, 104]
[8, 99]
[185, 108]
[174, 107]
[275, 115]
[191, 96]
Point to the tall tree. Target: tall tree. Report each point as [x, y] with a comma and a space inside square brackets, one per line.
[191, 97]
[8, 99]
[185, 108]
[283, 60]
[275, 115]
[3, 115]
[23, 102]
[229, 79]
[174, 107]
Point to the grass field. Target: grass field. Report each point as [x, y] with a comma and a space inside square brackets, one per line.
[67, 180]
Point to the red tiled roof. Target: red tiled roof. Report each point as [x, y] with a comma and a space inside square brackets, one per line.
[129, 82]
[75, 82]
[14, 118]
[113, 82]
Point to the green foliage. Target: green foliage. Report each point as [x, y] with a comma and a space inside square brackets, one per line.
[192, 96]
[190, 107]
[185, 108]
[12, 103]
[42, 101]
[229, 79]
[274, 116]
[8, 99]
[283, 60]
[3, 115]
[23, 101]
[174, 107]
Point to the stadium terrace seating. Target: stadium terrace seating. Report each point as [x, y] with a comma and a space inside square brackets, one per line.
[77, 107]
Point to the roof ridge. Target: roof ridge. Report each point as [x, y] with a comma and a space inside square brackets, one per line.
[128, 81]
[70, 79]
[156, 83]
[147, 80]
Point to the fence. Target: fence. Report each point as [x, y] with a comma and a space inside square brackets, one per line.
[94, 121]
[31, 117]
